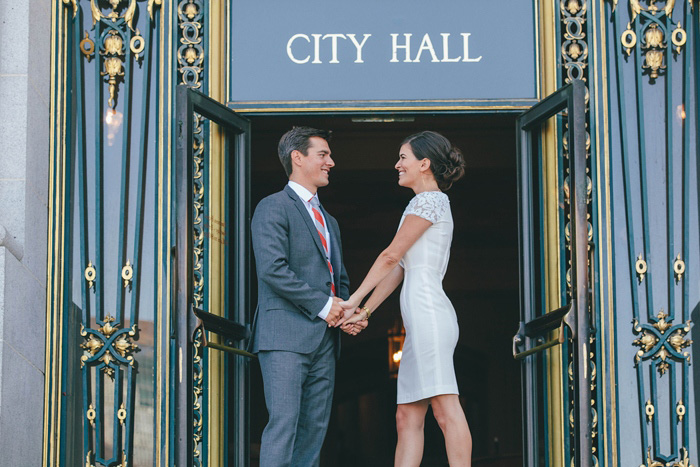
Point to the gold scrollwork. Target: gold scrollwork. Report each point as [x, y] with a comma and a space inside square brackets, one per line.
[650, 462]
[649, 409]
[90, 275]
[152, 4]
[123, 345]
[113, 15]
[648, 341]
[679, 267]
[680, 410]
[684, 460]
[127, 273]
[87, 459]
[641, 267]
[653, 34]
[72, 3]
[87, 46]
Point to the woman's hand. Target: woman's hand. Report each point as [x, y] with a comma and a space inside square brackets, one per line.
[356, 323]
[350, 306]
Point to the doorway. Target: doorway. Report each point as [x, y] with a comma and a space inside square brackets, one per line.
[481, 281]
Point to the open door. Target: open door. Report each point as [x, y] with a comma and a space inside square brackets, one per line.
[561, 118]
[211, 264]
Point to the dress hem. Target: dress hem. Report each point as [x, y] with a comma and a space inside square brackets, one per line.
[427, 393]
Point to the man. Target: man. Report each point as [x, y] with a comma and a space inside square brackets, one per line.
[301, 280]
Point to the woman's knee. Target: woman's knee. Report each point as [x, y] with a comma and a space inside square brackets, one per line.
[409, 417]
[447, 410]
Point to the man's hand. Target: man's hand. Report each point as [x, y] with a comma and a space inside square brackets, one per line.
[336, 312]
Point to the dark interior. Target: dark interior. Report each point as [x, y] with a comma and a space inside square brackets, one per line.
[481, 281]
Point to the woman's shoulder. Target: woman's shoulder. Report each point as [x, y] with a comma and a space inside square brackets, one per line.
[428, 204]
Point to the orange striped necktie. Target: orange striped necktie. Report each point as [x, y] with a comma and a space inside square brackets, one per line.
[321, 228]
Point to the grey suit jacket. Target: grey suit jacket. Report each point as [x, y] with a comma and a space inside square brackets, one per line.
[293, 278]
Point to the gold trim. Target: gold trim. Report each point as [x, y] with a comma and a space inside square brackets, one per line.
[549, 17]
[484, 108]
[599, 63]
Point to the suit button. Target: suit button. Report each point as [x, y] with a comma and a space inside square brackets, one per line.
[328, 284]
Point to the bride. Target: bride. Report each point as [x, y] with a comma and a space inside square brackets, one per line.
[418, 255]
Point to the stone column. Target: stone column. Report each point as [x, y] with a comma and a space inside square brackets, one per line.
[25, 42]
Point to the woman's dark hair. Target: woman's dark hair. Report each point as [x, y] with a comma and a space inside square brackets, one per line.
[297, 139]
[446, 161]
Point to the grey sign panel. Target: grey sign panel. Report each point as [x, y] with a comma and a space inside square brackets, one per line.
[313, 50]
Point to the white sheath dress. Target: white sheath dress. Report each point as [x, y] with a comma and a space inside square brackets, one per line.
[427, 367]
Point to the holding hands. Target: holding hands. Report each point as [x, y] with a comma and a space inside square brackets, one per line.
[355, 318]
[352, 319]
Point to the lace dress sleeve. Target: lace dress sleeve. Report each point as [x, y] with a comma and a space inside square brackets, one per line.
[429, 205]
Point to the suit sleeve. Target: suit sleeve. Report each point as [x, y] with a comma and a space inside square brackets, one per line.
[270, 231]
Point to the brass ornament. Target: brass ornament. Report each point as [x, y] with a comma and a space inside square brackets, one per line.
[679, 267]
[127, 274]
[649, 409]
[90, 275]
[113, 50]
[87, 46]
[679, 37]
[680, 410]
[94, 344]
[121, 414]
[653, 34]
[628, 39]
[91, 414]
[137, 44]
[87, 459]
[652, 335]
[641, 267]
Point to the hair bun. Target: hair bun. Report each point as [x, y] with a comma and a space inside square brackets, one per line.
[446, 160]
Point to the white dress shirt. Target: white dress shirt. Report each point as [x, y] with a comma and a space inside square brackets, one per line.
[306, 196]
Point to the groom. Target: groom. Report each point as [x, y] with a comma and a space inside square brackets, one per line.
[301, 280]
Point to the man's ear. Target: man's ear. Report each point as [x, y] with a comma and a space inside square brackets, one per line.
[296, 156]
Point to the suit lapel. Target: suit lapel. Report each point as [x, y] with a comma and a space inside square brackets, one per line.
[299, 204]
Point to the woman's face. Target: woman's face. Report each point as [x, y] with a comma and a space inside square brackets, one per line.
[409, 167]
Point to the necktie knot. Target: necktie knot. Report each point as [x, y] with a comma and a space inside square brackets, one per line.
[315, 202]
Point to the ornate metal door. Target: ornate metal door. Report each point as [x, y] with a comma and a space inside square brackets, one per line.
[202, 234]
[561, 114]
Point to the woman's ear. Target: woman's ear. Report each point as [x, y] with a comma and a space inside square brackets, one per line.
[425, 164]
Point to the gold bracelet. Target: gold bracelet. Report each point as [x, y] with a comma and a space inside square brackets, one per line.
[369, 313]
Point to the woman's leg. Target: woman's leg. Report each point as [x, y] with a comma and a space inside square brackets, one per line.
[458, 440]
[410, 419]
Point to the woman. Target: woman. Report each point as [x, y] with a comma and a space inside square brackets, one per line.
[418, 255]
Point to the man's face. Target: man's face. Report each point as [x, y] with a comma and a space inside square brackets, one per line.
[313, 169]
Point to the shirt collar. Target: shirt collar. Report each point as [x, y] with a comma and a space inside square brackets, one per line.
[302, 192]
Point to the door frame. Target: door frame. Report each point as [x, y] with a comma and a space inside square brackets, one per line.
[534, 323]
[237, 131]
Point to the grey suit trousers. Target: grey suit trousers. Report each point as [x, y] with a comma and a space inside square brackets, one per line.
[298, 395]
